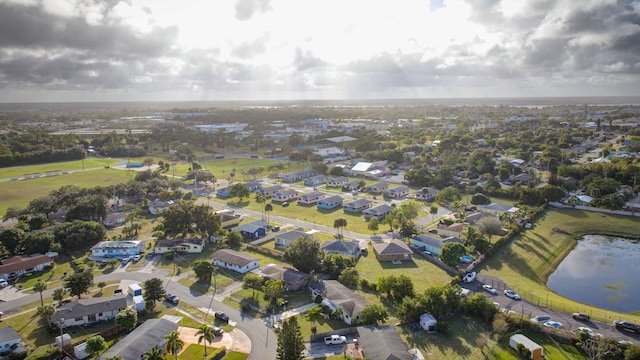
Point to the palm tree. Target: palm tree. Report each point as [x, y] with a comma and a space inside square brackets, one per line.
[340, 223]
[46, 312]
[206, 333]
[40, 287]
[261, 199]
[58, 295]
[174, 343]
[154, 354]
[268, 208]
[313, 315]
[101, 285]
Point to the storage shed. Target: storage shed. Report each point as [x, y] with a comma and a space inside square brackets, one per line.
[537, 351]
[428, 322]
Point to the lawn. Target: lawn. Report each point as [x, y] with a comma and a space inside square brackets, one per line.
[552, 350]
[528, 260]
[74, 165]
[295, 298]
[195, 351]
[221, 168]
[323, 325]
[20, 193]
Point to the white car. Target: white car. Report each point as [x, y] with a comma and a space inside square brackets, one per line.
[511, 294]
[3, 283]
[136, 258]
[489, 289]
[469, 277]
[553, 324]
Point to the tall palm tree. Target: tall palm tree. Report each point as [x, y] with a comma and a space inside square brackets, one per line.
[154, 354]
[261, 199]
[46, 312]
[206, 333]
[174, 343]
[339, 224]
[268, 208]
[40, 286]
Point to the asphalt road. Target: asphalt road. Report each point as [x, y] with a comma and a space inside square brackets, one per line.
[263, 340]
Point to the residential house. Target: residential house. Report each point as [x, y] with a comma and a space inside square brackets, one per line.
[234, 260]
[432, 244]
[335, 295]
[425, 194]
[329, 152]
[114, 219]
[16, 266]
[583, 200]
[10, 340]
[362, 168]
[474, 217]
[523, 178]
[497, 208]
[157, 207]
[330, 202]
[183, 246]
[379, 211]
[285, 239]
[383, 343]
[134, 344]
[293, 279]
[351, 185]
[315, 180]
[89, 310]
[311, 198]
[270, 190]
[345, 248]
[118, 249]
[454, 229]
[253, 230]
[377, 187]
[223, 192]
[253, 185]
[398, 192]
[285, 195]
[394, 250]
[337, 181]
[229, 219]
[298, 175]
[357, 206]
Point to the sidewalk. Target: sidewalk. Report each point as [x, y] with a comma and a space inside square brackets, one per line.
[289, 313]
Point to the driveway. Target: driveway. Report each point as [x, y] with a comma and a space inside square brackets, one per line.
[236, 340]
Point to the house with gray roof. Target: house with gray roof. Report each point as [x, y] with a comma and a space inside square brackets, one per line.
[335, 295]
[330, 202]
[337, 181]
[118, 249]
[286, 238]
[10, 340]
[270, 190]
[351, 185]
[89, 310]
[285, 195]
[345, 248]
[234, 260]
[133, 345]
[253, 230]
[383, 343]
[293, 279]
[431, 244]
[357, 206]
[311, 198]
[379, 211]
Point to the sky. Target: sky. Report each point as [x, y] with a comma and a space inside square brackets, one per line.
[209, 50]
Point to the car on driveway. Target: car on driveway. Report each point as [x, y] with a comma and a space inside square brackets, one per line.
[581, 316]
[511, 294]
[137, 258]
[173, 299]
[222, 316]
[489, 289]
[4, 283]
[553, 324]
[627, 326]
[540, 318]
[217, 331]
[469, 277]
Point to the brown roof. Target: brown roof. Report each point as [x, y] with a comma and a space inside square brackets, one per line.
[233, 257]
[17, 263]
[392, 247]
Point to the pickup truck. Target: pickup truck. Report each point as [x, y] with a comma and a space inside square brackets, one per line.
[335, 340]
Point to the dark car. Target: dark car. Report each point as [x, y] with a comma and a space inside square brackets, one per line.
[217, 331]
[173, 299]
[581, 316]
[222, 316]
[627, 326]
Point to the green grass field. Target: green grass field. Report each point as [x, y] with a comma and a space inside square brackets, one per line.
[528, 260]
[75, 165]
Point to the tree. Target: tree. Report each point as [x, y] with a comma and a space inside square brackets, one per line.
[340, 223]
[102, 285]
[408, 229]
[233, 239]
[205, 333]
[174, 344]
[11, 238]
[46, 312]
[260, 200]
[40, 286]
[95, 344]
[632, 353]
[304, 254]
[313, 315]
[112, 262]
[373, 314]
[448, 195]
[397, 287]
[290, 341]
[597, 348]
[490, 226]
[373, 224]
[252, 281]
[203, 269]
[147, 162]
[127, 319]
[78, 284]
[349, 277]
[273, 289]
[433, 211]
[58, 295]
[155, 354]
[480, 199]
[268, 209]
[153, 290]
[239, 190]
[451, 253]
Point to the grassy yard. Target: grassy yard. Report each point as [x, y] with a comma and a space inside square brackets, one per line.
[322, 326]
[552, 349]
[195, 351]
[74, 165]
[528, 260]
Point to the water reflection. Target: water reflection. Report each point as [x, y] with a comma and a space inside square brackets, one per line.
[601, 271]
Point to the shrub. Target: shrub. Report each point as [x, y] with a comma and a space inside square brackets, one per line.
[48, 353]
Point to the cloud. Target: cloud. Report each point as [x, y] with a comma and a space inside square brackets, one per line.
[249, 49]
[245, 9]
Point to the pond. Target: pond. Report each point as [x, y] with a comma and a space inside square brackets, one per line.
[601, 271]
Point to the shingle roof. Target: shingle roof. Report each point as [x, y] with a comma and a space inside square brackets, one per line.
[380, 209]
[350, 301]
[286, 192]
[332, 199]
[279, 272]
[233, 257]
[383, 343]
[394, 246]
[89, 306]
[312, 195]
[174, 242]
[17, 263]
[341, 247]
[141, 340]
[358, 203]
[7, 333]
[291, 235]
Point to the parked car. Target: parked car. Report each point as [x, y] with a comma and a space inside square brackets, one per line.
[469, 277]
[511, 294]
[540, 318]
[222, 316]
[4, 283]
[275, 228]
[217, 331]
[553, 324]
[137, 258]
[489, 289]
[627, 326]
[285, 204]
[581, 316]
[126, 260]
[173, 299]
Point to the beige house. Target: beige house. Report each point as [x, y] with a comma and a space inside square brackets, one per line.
[189, 246]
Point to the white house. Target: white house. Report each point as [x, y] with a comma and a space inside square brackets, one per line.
[358, 205]
[377, 187]
[330, 202]
[20, 265]
[285, 195]
[188, 246]
[398, 192]
[311, 198]
[157, 207]
[10, 340]
[89, 310]
[114, 219]
[286, 238]
[379, 211]
[337, 181]
[315, 180]
[124, 248]
[425, 194]
[234, 260]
